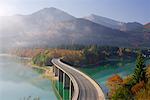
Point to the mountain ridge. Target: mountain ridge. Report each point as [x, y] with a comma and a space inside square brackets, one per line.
[114, 24]
[51, 27]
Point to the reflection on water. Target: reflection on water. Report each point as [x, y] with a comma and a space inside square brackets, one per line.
[18, 81]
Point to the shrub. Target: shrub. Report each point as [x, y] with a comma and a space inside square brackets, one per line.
[136, 88]
[113, 83]
[122, 93]
[144, 93]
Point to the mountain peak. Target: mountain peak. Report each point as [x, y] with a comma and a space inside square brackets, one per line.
[50, 8]
[52, 14]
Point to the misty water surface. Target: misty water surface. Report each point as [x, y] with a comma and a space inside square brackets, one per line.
[18, 81]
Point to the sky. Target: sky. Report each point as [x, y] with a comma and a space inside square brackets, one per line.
[121, 10]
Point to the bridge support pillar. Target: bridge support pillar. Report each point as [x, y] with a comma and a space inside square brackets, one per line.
[70, 92]
[53, 68]
[60, 76]
[65, 81]
[66, 85]
[63, 85]
[55, 71]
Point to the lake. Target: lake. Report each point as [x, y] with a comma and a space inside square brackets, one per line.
[103, 72]
[20, 82]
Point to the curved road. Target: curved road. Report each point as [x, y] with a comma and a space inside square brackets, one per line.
[88, 88]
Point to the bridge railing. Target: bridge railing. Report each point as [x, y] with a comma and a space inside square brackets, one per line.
[96, 85]
[75, 85]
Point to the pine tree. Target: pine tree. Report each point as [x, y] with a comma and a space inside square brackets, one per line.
[139, 72]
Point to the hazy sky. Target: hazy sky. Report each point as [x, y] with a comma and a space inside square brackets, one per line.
[122, 10]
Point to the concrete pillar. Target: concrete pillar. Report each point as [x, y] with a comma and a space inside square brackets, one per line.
[70, 92]
[64, 80]
[53, 68]
[67, 82]
[63, 85]
[72, 89]
[56, 71]
[60, 76]
[58, 81]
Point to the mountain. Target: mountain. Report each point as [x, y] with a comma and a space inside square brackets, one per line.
[132, 27]
[146, 31]
[147, 26]
[51, 14]
[122, 26]
[104, 21]
[52, 27]
[18, 29]
[81, 31]
[38, 21]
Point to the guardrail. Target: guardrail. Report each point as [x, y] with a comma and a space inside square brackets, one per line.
[96, 85]
[76, 87]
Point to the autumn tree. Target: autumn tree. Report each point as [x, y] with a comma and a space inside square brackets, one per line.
[113, 83]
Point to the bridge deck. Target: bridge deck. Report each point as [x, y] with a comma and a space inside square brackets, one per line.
[87, 90]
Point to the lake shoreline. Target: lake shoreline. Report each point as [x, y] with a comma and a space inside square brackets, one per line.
[23, 81]
[48, 71]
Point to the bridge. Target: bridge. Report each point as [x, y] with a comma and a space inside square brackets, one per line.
[81, 86]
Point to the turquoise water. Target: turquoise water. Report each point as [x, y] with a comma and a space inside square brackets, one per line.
[61, 92]
[20, 82]
[103, 72]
